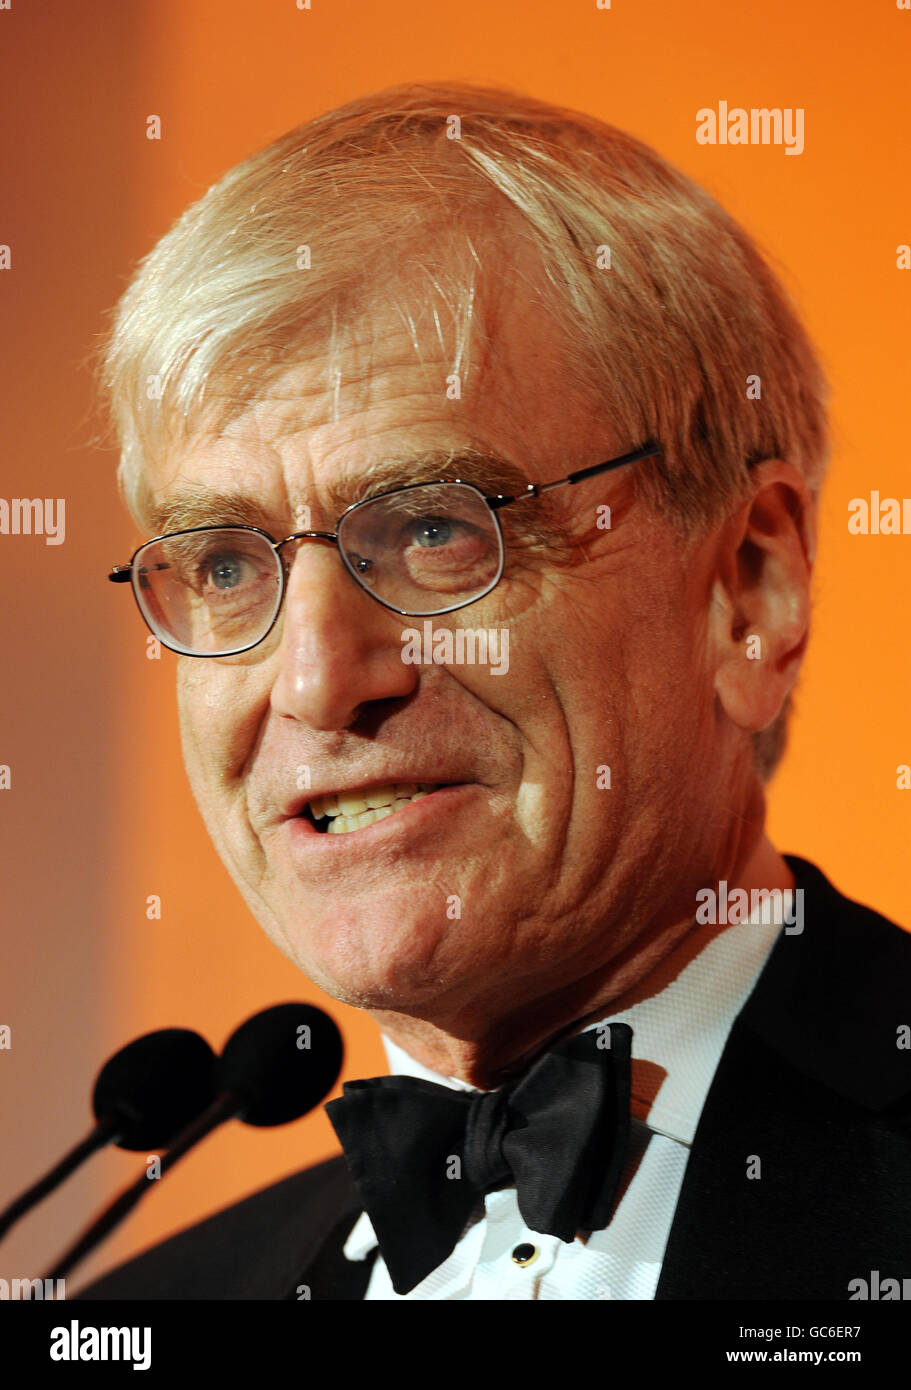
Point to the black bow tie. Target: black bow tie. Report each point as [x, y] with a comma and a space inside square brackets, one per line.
[421, 1154]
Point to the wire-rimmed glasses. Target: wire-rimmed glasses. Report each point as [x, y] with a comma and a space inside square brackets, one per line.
[420, 550]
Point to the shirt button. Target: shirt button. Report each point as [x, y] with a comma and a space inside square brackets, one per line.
[525, 1254]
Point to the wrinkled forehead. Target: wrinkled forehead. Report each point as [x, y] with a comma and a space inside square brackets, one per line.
[427, 380]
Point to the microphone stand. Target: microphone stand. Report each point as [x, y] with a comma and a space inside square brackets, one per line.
[224, 1107]
[105, 1132]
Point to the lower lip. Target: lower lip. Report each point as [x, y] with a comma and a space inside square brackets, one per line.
[412, 820]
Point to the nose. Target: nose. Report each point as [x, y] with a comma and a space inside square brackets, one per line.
[339, 649]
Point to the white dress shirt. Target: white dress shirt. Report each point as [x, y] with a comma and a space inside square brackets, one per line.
[683, 1029]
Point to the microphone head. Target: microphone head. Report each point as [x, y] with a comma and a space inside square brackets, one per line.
[281, 1063]
[155, 1086]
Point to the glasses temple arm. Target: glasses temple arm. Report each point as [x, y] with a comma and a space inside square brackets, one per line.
[647, 451]
[535, 489]
[121, 574]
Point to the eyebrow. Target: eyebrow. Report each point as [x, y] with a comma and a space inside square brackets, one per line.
[199, 505]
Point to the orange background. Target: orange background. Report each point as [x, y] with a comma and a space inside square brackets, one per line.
[99, 815]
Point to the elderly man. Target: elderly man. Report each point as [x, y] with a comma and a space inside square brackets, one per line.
[480, 451]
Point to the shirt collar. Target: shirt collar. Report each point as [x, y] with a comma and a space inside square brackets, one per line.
[681, 1029]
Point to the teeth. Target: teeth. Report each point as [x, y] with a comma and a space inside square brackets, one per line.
[354, 803]
[355, 812]
[380, 796]
[351, 804]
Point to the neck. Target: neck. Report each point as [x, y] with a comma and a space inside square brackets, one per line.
[510, 1045]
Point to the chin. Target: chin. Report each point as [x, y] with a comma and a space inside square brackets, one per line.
[388, 961]
[366, 990]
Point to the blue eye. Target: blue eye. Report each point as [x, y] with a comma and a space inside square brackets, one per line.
[226, 572]
[433, 532]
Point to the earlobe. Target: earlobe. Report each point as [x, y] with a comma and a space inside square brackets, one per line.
[751, 685]
[761, 597]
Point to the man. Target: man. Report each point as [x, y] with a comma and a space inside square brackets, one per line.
[526, 853]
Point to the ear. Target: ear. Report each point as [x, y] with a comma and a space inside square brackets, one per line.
[760, 614]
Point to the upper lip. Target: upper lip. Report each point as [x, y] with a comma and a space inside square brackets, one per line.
[301, 802]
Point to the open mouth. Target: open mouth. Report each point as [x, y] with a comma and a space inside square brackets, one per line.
[340, 812]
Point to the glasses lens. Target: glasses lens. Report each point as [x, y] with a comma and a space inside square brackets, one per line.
[425, 549]
[209, 592]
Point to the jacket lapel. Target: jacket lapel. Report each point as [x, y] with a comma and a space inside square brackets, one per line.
[299, 1253]
[777, 1199]
[330, 1274]
[810, 1099]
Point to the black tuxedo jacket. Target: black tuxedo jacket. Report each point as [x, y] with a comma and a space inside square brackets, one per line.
[812, 1080]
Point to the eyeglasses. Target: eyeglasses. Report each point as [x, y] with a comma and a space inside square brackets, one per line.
[419, 550]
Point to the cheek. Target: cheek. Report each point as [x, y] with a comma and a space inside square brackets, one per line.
[210, 713]
[630, 680]
[221, 711]
[196, 698]
[668, 718]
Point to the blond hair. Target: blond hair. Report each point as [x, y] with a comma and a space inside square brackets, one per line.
[667, 339]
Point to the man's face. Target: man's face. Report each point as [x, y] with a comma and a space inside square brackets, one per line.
[525, 873]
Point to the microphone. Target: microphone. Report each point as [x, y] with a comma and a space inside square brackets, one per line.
[144, 1095]
[274, 1068]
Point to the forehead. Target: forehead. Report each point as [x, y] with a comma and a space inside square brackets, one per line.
[380, 404]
